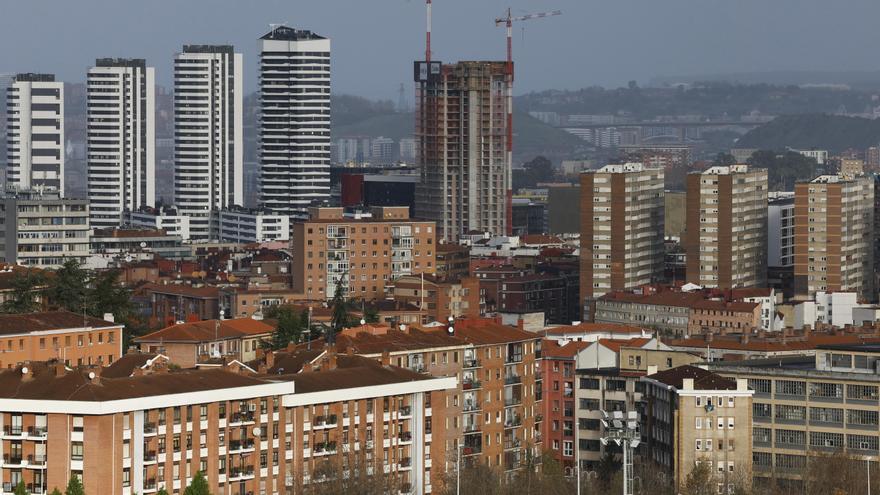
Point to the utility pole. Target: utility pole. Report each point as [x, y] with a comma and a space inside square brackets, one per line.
[623, 430]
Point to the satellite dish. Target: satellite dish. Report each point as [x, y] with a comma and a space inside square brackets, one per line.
[128, 258]
[143, 244]
[363, 321]
[257, 431]
[24, 370]
[91, 375]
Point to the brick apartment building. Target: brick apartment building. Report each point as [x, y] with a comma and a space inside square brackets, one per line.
[371, 250]
[61, 335]
[440, 298]
[188, 344]
[248, 433]
[183, 302]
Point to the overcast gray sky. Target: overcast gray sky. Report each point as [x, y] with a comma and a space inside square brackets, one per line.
[605, 42]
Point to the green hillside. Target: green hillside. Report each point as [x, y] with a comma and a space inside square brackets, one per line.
[820, 131]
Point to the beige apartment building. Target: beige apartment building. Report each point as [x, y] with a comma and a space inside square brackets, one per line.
[726, 235]
[364, 251]
[149, 429]
[695, 416]
[622, 216]
[833, 236]
[810, 405]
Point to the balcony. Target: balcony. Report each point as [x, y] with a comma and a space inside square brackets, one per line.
[150, 456]
[471, 406]
[150, 428]
[471, 428]
[405, 462]
[472, 449]
[471, 362]
[241, 472]
[37, 431]
[150, 484]
[240, 418]
[512, 444]
[13, 459]
[324, 448]
[405, 411]
[512, 379]
[325, 421]
[404, 436]
[470, 384]
[513, 422]
[241, 445]
[512, 401]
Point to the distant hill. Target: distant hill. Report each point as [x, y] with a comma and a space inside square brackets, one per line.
[820, 131]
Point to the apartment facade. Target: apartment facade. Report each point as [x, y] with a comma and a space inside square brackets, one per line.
[780, 231]
[70, 338]
[208, 134]
[833, 241]
[364, 253]
[622, 218]
[43, 229]
[294, 120]
[122, 139]
[248, 433]
[35, 133]
[810, 405]
[463, 136]
[188, 344]
[726, 235]
[693, 416]
[440, 299]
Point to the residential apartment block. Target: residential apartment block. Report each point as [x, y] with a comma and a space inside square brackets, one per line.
[148, 429]
[122, 139]
[363, 252]
[440, 299]
[693, 416]
[833, 240]
[780, 231]
[621, 228]
[208, 134]
[43, 229]
[188, 344]
[35, 133]
[67, 337]
[726, 234]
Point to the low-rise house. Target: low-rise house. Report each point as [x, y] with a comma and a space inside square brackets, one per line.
[187, 344]
[70, 338]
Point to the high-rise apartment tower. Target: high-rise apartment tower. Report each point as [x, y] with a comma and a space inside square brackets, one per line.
[294, 120]
[208, 142]
[121, 139]
[35, 133]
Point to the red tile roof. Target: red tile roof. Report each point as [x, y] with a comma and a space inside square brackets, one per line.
[551, 349]
[615, 344]
[485, 331]
[15, 324]
[208, 330]
[587, 327]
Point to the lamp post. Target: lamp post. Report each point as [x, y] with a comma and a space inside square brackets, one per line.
[459, 450]
[623, 430]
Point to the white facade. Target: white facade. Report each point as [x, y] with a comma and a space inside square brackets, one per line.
[171, 220]
[208, 140]
[780, 230]
[35, 136]
[122, 139]
[821, 156]
[43, 230]
[834, 308]
[245, 226]
[294, 120]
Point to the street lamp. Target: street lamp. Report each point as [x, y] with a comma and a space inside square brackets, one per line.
[623, 430]
[460, 451]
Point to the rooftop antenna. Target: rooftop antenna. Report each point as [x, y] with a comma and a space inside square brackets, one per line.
[273, 26]
[428, 33]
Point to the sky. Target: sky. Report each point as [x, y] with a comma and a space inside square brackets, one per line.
[594, 42]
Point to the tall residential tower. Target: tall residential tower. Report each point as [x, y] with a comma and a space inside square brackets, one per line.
[35, 133]
[622, 224]
[462, 138]
[726, 237]
[122, 139]
[294, 120]
[208, 143]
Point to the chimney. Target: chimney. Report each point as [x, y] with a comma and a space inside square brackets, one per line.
[109, 317]
[744, 338]
[270, 359]
[708, 336]
[331, 360]
[687, 383]
[349, 350]
[521, 324]
[652, 369]
[386, 358]
[60, 369]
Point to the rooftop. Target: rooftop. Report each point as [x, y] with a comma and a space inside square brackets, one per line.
[703, 380]
[587, 327]
[285, 33]
[486, 331]
[208, 330]
[202, 292]
[50, 320]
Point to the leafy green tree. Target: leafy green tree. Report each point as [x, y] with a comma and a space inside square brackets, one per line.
[699, 481]
[74, 487]
[288, 329]
[339, 317]
[26, 287]
[723, 159]
[20, 489]
[371, 314]
[70, 287]
[55, 491]
[608, 466]
[108, 296]
[198, 486]
[162, 491]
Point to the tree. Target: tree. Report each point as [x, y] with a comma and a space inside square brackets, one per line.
[70, 287]
[339, 317]
[26, 287]
[607, 468]
[162, 491]
[108, 296]
[56, 491]
[74, 486]
[540, 169]
[371, 314]
[198, 486]
[288, 329]
[723, 159]
[20, 489]
[699, 481]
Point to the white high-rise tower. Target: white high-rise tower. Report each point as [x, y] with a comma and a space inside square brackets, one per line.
[122, 138]
[294, 120]
[35, 133]
[208, 143]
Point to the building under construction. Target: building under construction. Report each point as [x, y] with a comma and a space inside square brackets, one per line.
[462, 132]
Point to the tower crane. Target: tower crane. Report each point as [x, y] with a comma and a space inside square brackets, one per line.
[508, 76]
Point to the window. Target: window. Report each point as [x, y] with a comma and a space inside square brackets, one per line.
[76, 451]
[789, 387]
[762, 436]
[762, 411]
[827, 440]
[790, 413]
[861, 418]
[568, 448]
[126, 477]
[791, 437]
[861, 442]
[861, 392]
[699, 423]
[203, 412]
[826, 415]
[730, 423]
[826, 391]
[699, 445]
